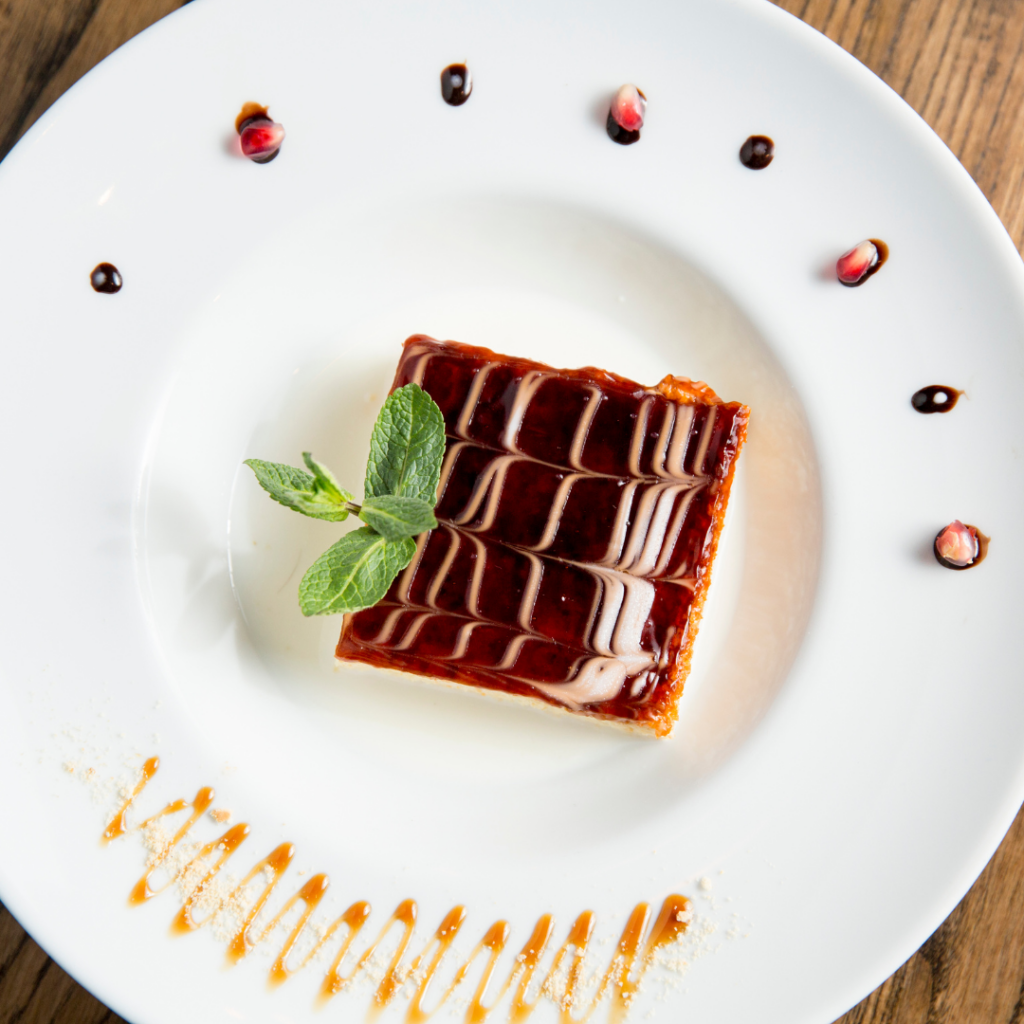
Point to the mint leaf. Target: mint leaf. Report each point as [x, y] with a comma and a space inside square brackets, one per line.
[318, 497]
[406, 447]
[354, 573]
[325, 482]
[395, 517]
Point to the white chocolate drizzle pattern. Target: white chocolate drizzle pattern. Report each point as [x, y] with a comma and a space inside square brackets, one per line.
[650, 510]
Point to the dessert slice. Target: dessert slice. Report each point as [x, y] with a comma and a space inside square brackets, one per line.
[578, 515]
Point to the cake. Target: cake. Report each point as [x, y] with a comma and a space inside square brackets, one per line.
[578, 518]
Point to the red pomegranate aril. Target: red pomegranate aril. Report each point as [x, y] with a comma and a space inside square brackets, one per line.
[853, 266]
[261, 139]
[957, 546]
[628, 108]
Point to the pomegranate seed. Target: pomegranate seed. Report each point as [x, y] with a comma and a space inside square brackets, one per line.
[857, 265]
[957, 546]
[261, 139]
[626, 115]
[628, 108]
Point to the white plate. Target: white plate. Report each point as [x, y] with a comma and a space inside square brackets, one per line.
[851, 748]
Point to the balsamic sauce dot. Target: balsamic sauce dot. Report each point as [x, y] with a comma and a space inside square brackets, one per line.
[757, 152]
[619, 134]
[456, 84]
[934, 398]
[106, 278]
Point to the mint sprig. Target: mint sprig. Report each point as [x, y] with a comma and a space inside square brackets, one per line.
[402, 475]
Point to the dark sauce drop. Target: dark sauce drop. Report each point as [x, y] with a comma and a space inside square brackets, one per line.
[105, 278]
[250, 112]
[935, 398]
[757, 152]
[619, 134]
[456, 84]
[983, 543]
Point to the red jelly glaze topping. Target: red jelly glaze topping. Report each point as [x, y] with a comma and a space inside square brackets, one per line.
[492, 563]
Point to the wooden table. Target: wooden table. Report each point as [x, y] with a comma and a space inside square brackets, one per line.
[960, 64]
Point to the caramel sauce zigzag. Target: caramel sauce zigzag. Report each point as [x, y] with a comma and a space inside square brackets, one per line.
[527, 983]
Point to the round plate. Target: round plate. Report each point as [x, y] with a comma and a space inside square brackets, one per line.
[849, 751]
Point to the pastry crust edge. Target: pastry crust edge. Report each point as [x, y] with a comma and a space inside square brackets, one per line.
[637, 727]
[663, 724]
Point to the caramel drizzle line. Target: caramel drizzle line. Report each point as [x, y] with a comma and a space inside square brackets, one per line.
[142, 890]
[526, 967]
[621, 980]
[117, 825]
[184, 921]
[405, 914]
[334, 982]
[494, 941]
[354, 918]
[277, 861]
[443, 939]
[311, 894]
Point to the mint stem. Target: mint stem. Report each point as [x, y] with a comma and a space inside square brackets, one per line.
[351, 506]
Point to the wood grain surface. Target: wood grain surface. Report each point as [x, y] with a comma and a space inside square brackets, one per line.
[960, 64]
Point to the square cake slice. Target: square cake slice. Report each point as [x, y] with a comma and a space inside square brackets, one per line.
[579, 513]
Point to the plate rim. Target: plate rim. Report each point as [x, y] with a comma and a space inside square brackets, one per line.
[985, 844]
